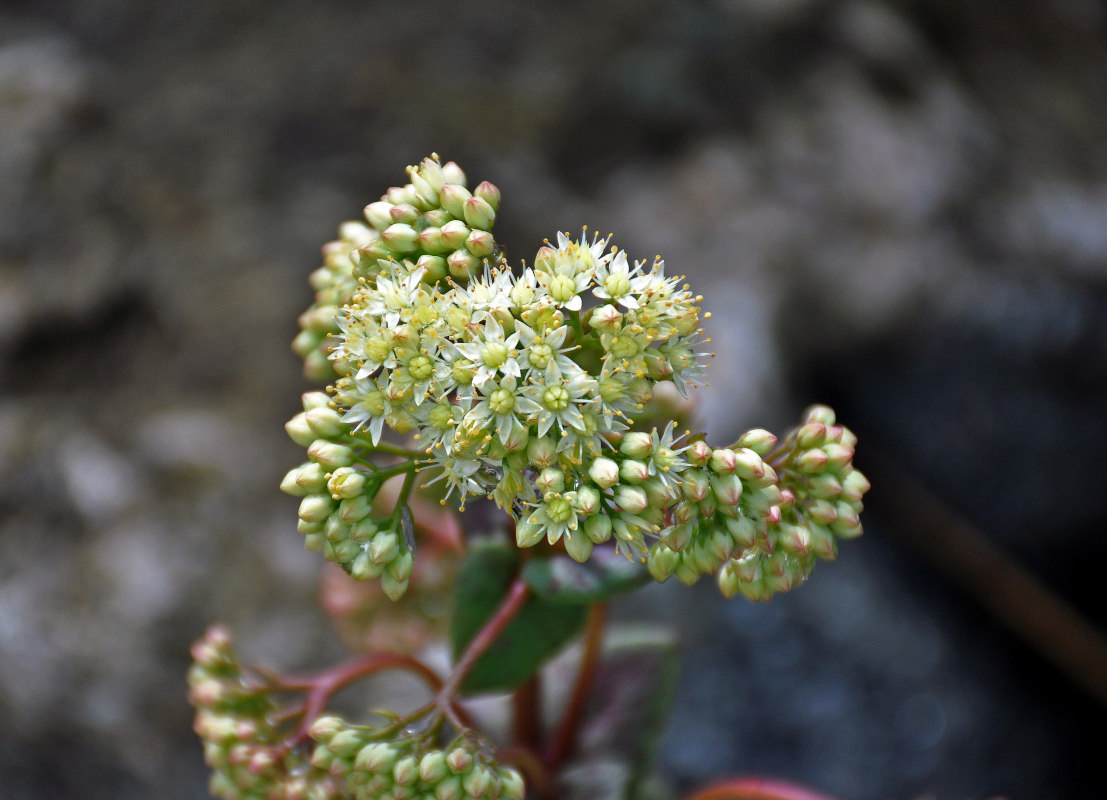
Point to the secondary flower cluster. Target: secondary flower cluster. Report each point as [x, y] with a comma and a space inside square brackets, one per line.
[408, 768]
[243, 749]
[250, 761]
[530, 387]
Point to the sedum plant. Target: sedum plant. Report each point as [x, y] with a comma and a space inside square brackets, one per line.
[555, 391]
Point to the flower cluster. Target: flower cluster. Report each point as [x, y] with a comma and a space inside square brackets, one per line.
[243, 749]
[761, 513]
[399, 768]
[336, 512]
[533, 387]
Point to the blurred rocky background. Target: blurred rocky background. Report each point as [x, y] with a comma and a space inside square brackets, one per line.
[898, 208]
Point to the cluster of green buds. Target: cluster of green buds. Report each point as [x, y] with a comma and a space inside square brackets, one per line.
[241, 746]
[434, 222]
[337, 486]
[534, 387]
[760, 513]
[377, 765]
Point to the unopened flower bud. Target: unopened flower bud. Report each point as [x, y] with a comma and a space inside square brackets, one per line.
[454, 234]
[587, 501]
[604, 472]
[606, 319]
[748, 465]
[727, 489]
[695, 484]
[330, 455]
[541, 452]
[392, 586]
[326, 422]
[811, 435]
[811, 461]
[489, 193]
[636, 444]
[854, 486]
[631, 471]
[819, 413]
[449, 789]
[401, 237]
[404, 213]
[462, 264]
[631, 499]
[598, 528]
[511, 785]
[453, 197]
[479, 214]
[723, 461]
[315, 508]
[698, 453]
[480, 243]
[578, 545]
[355, 509]
[299, 431]
[289, 484]
[825, 486]
[743, 531]
[528, 534]
[837, 456]
[406, 771]
[550, 479]
[479, 780]
[378, 757]
[434, 267]
[362, 567]
[459, 760]
[679, 536]
[378, 214]
[758, 440]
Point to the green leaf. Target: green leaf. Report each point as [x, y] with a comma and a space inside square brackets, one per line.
[630, 699]
[604, 575]
[532, 638]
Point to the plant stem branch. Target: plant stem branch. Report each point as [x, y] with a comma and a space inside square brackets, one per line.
[323, 686]
[756, 789]
[527, 717]
[517, 595]
[565, 738]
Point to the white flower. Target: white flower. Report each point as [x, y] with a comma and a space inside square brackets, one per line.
[560, 400]
[492, 352]
[502, 402]
[544, 353]
[615, 281]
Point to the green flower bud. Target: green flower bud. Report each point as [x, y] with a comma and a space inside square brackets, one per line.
[598, 528]
[631, 471]
[430, 241]
[462, 264]
[695, 484]
[299, 431]
[406, 771]
[384, 548]
[379, 215]
[794, 538]
[454, 234]
[378, 758]
[459, 760]
[434, 267]
[401, 237]
[363, 530]
[432, 767]
[742, 530]
[290, 486]
[330, 455]
[811, 435]
[822, 414]
[449, 789]
[823, 544]
[631, 499]
[587, 501]
[659, 493]
[393, 587]
[578, 546]
[402, 566]
[314, 542]
[363, 569]
[528, 534]
[606, 319]
[811, 461]
[480, 243]
[404, 213]
[453, 197]
[749, 465]
[478, 213]
[727, 489]
[636, 444]
[355, 509]
[698, 453]
[335, 529]
[315, 508]
[662, 562]
[838, 456]
[854, 487]
[758, 440]
[489, 193]
[479, 780]
[542, 452]
[549, 480]
[511, 785]
[604, 472]
[825, 486]
[723, 461]
[679, 536]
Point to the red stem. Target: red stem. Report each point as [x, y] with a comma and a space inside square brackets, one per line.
[527, 716]
[516, 596]
[566, 734]
[323, 686]
[756, 789]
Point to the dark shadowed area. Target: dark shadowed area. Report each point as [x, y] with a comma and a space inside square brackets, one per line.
[897, 208]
